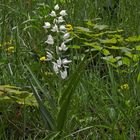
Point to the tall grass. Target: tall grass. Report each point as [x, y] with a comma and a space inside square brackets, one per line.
[85, 106]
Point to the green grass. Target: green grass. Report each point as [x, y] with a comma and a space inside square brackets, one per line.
[90, 103]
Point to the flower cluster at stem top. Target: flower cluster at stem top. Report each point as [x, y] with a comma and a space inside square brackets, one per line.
[58, 34]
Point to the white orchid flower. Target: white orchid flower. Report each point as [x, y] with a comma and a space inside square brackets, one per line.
[63, 47]
[55, 21]
[63, 74]
[49, 56]
[59, 63]
[50, 40]
[55, 68]
[56, 7]
[63, 13]
[62, 28]
[55, 28]
[60, 19]
[53, 14]
[66, 61]
[66, 35]
[47, 25]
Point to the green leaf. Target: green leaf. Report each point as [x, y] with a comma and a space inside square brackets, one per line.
[105, 52]
[137, 48]
[67, 95]
[47, 117]
[74, 46]
[100, 27]
[110, 58]
[109, 41]
[138, 78]
[133, 39]
[126, 61]
[114, 48]
[94, 45]
[83, 29]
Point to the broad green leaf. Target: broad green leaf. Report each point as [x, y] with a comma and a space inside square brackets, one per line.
[46, 115]
[15, 94]
[67, 95]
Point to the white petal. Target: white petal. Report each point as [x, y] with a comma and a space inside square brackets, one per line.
[55, 28]
[49, 56]
[59, 63]
[63, 13]
[53, 14]
[47, 25]
[60, 19]
[62, 28]
[63, 74]
[66, 36]
[66, 61]
[55, 21]
[50, 40]
[56, 7]
[63, 47]
[55, 67]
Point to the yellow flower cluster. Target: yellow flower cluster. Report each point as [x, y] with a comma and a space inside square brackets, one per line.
[43, 58]
[69, 27]
[6, 43]
[124, 87]
[10, 49]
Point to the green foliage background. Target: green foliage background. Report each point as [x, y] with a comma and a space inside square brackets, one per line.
[90, 104]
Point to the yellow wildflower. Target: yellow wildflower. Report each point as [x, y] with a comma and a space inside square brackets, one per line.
[69, 27]
[10, 49]
[43, 58]
[125, 87]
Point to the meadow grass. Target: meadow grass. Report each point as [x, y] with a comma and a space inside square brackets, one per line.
[91, 103]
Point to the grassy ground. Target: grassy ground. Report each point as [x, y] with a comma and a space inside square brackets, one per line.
[94, 102]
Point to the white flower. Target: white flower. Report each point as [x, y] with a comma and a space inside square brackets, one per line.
[59, 63]
[63, 74]
[66, 61]
[55, 28]
[63, 28]
[49, 56]
[63, 47]
[56, 7]
[47, 25]
[66, 35]
[55, 67]
[60, 19]
[63, 13]
[53, 14]
[50, 40]
[55, 21]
